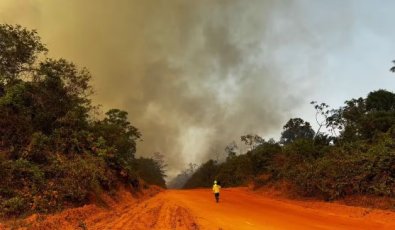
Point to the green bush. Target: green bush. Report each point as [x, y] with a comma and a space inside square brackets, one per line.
[21, 180]
[204, 175]
[76, 177]
[14, 206]
[236, 171]
[150, 171]
[21, 174]
[262, 158]
[38, 148]
[337, 174]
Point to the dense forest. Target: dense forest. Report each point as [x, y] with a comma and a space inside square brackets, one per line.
[54, 151]
[352, 152]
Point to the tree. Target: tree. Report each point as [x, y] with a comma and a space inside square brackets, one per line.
[363, 118]
[62, 96]
[118, 132]
[263, 155]
[49, 97]
[231, 149]
[235, 171]
[380, 100]
[252, 140]
[352, 113]
[159, 159]
[296, 128]
[150, 171]
[203, 176]
[20, 49]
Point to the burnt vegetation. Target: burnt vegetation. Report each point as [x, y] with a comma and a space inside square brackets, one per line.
[53, 152]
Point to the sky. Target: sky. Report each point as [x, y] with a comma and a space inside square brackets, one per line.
[196, 75]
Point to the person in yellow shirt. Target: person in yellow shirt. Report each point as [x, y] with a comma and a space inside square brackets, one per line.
[216, 190]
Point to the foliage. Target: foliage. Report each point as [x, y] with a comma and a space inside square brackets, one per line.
[252, 140]
[296, 128]
[360, 159]
[151, 171]
[118, 136]
[363, 118]
[203, 176]
[380, 100]
[20, 180]
[76, 178]
[235, 171]
[53, 153]
[14, 206]
[336, 174]
[262, 157]
[19, 50]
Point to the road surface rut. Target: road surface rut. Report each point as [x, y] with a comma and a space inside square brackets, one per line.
[155, 213]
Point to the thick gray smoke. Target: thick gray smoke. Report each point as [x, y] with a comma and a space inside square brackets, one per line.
[193, 75]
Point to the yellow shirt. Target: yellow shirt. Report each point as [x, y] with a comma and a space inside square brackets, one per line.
[216, 188]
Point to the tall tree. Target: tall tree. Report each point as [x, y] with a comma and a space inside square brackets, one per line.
[252, 140]
[296, 128]
[380, 100]
[119, 135]
[20, 49]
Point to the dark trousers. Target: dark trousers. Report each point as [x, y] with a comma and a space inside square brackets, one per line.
[216, 197]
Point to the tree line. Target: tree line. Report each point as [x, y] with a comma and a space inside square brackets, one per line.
[354, 155]
[54, 152]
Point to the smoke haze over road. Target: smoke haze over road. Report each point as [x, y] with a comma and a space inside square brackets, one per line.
[194, 75]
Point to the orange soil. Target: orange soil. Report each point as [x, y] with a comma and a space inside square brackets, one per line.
[239, 209]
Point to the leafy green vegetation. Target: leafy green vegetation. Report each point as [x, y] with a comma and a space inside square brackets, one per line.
[355, 156]
[53, 152]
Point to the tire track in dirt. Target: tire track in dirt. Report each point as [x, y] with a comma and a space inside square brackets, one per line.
[155, 213]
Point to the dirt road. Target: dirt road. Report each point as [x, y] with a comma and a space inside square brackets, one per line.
[239, 209]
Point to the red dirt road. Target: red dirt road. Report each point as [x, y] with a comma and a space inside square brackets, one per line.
[239, 209]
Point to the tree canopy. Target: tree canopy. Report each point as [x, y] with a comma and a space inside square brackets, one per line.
[296, 128]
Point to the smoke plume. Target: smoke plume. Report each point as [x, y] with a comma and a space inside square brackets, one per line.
[193, 75]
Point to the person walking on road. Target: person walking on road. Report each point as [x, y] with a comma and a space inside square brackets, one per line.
[216, 190]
